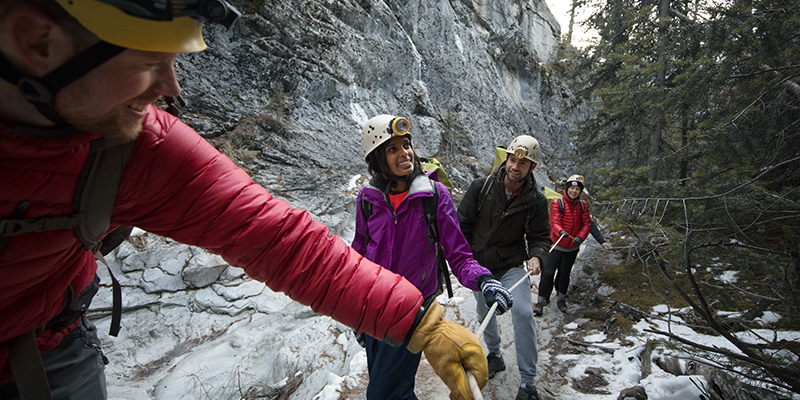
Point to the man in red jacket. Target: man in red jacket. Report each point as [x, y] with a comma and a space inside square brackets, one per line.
[76, 71]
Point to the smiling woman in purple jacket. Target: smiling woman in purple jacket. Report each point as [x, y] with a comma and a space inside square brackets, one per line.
[393, 233]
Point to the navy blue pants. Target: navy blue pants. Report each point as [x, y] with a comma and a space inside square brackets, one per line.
[392, 371]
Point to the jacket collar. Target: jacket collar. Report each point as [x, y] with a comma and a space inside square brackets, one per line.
[420, 184]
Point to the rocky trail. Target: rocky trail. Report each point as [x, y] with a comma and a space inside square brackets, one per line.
[552, 329]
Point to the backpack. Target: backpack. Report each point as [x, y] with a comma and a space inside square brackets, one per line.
[433, 168]
[499, 156]
[550, 194]
[429, 206]
[93, 203]
[561, 205]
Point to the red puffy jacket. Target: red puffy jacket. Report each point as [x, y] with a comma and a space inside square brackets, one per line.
[178, 185]
[575, 221]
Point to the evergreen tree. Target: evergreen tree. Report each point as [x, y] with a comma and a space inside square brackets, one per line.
[694, 139]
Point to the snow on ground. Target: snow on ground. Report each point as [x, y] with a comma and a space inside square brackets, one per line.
[172, 348]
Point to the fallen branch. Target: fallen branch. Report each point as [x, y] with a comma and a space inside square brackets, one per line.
[585, 344]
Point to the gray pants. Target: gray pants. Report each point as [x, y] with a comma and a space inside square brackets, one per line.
[74, 368]
[524, 324]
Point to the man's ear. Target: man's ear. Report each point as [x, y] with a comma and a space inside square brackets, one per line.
[40, 44]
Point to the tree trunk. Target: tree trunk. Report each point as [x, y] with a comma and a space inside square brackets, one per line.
[684, 163]
[655, 135]
[571, 21]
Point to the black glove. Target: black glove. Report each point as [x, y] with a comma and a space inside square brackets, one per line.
[493, 291]
[563, 233]
[577, 240]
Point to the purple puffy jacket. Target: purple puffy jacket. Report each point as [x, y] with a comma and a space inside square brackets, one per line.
[398, 238]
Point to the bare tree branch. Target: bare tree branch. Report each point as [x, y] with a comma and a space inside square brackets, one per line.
[791, 373]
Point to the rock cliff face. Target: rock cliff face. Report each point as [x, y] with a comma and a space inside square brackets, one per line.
[286, 92]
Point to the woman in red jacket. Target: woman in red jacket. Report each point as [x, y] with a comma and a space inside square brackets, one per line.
[568, 229]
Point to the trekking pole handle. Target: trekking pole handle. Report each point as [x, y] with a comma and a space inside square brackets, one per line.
[493, 308]
[554, 244]
[473, 386]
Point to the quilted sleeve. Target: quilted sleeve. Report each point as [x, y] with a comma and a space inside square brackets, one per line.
[177, 185]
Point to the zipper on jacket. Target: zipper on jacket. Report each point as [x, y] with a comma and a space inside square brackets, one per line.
[394, 218]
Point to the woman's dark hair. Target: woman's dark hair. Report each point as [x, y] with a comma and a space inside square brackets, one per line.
[379, 168]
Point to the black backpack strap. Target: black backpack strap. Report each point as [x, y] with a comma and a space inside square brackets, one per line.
[93, 202]
[26, 364]
[366, 209]
[97, 189]
[17, 214]
[429, 208]
[485, 189]
[98, 184]
[561, 205]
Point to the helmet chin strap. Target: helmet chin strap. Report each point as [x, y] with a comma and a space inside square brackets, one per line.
[41, 92]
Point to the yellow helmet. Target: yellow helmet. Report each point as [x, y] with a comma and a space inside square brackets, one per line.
[170, 26]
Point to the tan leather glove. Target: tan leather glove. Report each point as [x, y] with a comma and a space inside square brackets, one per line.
[450, 349]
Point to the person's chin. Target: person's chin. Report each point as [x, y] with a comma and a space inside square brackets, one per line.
[120, 133]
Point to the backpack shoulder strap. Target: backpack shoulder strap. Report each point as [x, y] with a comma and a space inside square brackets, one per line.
[429, 206]
[485, 189]
[366, 209]
[97, 189]
[93, 201]
[561, 205]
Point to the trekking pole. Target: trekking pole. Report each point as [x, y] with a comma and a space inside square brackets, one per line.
[491, 311]
[554, 244]
[473, 386]
[473, 383]
[482, 328]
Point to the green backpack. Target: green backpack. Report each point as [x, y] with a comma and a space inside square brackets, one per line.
[433, 168]
[499, 156]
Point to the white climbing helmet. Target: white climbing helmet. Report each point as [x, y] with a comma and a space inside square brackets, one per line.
[575, 180]
[524, 147]
[380, 129]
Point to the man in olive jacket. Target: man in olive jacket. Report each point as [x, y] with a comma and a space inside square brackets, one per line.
[504, 218]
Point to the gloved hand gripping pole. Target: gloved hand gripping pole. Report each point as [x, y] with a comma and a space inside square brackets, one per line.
[473, 383]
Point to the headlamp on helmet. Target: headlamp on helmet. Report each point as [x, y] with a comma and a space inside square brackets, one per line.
[575, 180]
[524, 147]
[400, 126]
[217, 11]
[380, 129]
[520, 152]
